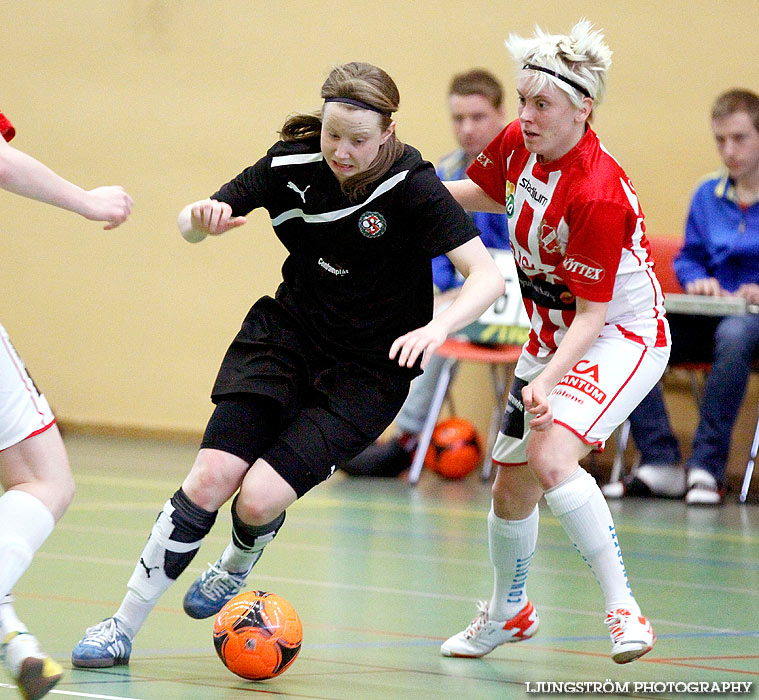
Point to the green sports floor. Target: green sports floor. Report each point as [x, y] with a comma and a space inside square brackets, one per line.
[381, 573]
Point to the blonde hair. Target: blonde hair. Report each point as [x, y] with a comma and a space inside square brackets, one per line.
[579, 60]
[365, 83]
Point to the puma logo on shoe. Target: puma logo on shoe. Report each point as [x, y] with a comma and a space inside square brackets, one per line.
[302, 193]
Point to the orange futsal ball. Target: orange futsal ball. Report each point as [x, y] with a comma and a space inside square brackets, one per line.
[455, 448]
[257, 635]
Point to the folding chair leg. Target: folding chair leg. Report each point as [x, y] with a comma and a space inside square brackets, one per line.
[429, 423]
[617, 467]
[500, 377]
[750, 466]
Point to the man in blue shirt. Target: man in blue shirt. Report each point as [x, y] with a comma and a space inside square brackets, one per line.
[475, 100]
[720, 257]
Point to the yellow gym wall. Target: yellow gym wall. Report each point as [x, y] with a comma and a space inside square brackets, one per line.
[171, 98]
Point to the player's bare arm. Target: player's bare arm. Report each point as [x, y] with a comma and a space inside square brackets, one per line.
[584, 330]
[472, 197]
[24, 175]
[482, 286]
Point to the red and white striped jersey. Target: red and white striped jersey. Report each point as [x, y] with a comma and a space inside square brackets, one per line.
[577, 230]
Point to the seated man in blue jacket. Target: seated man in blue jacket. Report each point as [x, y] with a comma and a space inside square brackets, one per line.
[720, 257]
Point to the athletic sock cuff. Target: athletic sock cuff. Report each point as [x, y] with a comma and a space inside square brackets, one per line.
[196, 521]
[253, 537]
[27, 515]
[510, 528]
[572, 493]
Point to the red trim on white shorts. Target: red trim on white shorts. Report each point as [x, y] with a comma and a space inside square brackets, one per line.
[597, 445]
[508, 464]
[624, 384]
[31, 435]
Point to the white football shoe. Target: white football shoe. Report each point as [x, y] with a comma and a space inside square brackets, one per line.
[631, 635]
[483, 634]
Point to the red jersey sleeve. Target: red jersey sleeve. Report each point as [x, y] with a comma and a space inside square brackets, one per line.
[6, 128]
[489, 168]
[598, 230]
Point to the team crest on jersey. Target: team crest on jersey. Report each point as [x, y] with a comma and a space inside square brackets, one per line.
[548, 238]
[509, 194]
[372, 224]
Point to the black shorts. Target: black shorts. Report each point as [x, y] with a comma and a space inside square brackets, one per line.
[329, 409]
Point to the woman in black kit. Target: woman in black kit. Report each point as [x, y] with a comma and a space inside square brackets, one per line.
[318, 372]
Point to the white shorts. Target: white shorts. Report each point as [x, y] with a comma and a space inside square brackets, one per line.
[591, 400]
[23, 410]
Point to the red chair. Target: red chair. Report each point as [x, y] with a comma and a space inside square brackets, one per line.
[501, 359]
[665, 250]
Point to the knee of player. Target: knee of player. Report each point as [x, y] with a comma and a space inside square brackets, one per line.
[66, 488]
[548, 467]
[258, 508]
[209, 482]
[56, 493]
[536, 455]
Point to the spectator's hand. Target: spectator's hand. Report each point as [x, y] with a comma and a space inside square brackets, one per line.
[535, 401]
[749, 292]
[214, 217]
[706, 286]
[425, 340]
[110, 203]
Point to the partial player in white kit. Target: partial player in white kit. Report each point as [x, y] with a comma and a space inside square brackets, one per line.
[34, 471]
[599, 339]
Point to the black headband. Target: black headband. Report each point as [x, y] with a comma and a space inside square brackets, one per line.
[568, 81]
[360, 104]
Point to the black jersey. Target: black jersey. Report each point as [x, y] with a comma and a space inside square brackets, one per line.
[358, 273]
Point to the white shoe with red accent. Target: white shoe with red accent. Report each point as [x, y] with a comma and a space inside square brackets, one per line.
[483, 634]
[631, 635]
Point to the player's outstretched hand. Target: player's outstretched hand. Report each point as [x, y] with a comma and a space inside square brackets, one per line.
[424, 340]
[536, 402]
[110, 203]
[214, 217]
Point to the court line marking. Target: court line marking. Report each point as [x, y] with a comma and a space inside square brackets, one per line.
[373, 589]
[445, 536]
[77, 694]
[482, 563]
[318, 503]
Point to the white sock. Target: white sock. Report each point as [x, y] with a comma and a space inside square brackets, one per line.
[512, 545]
[25, 523]
[9, 622]
[237, 560]
[581, 509]
[133, 612]
[149, 579]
